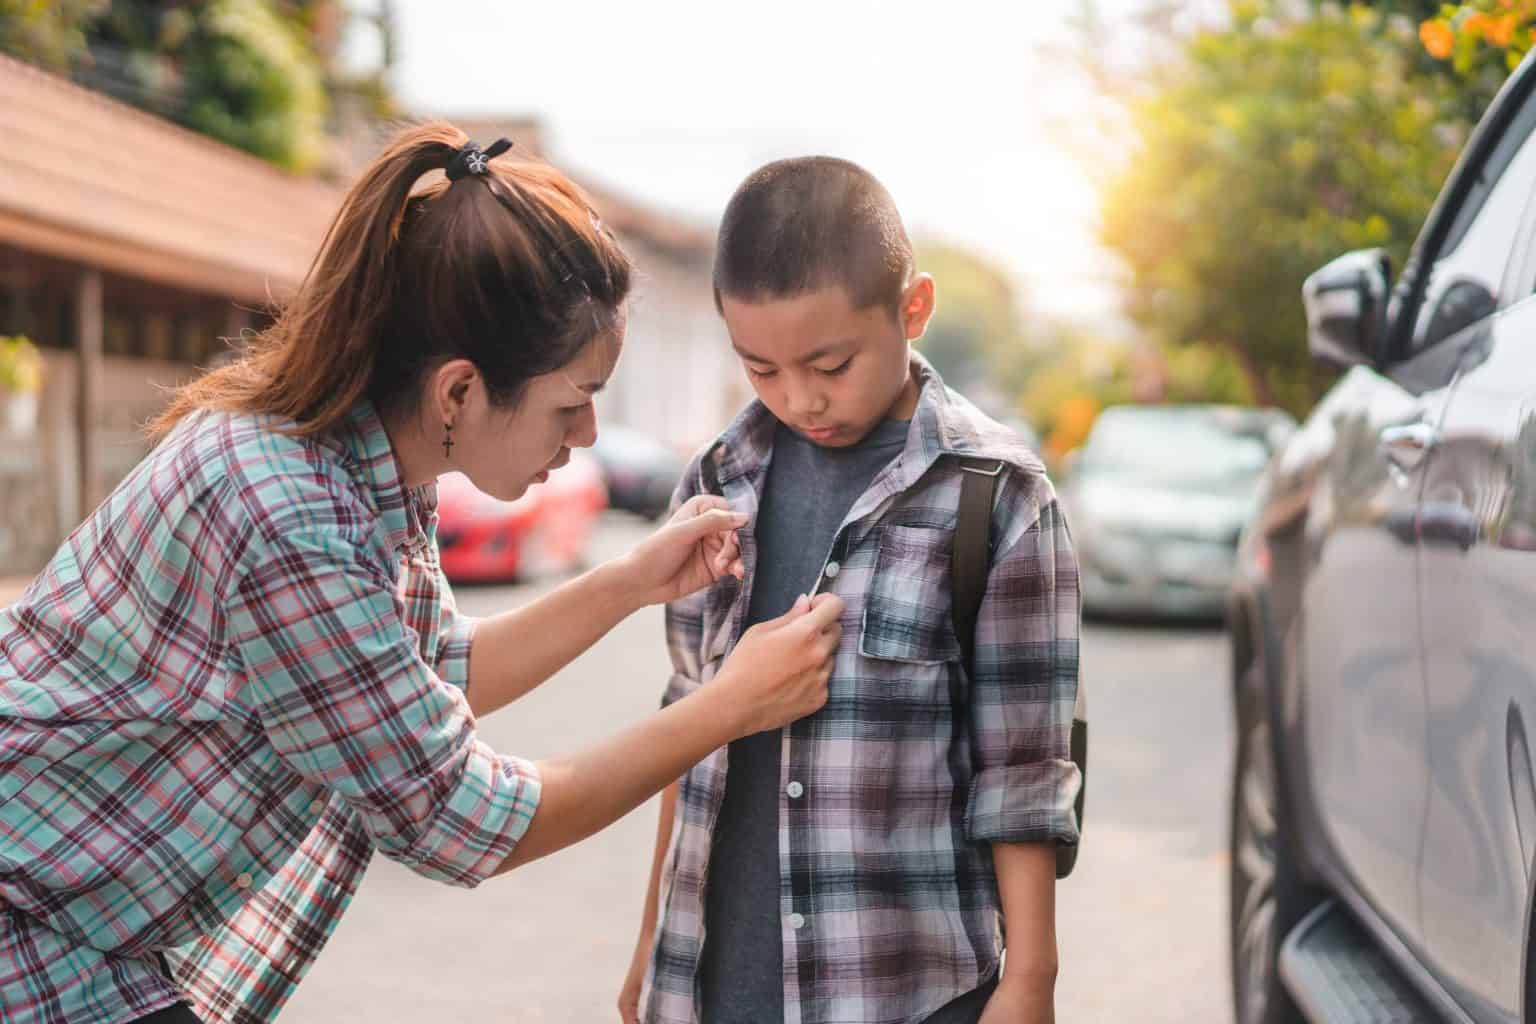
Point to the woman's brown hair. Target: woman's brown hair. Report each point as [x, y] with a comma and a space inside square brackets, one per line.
[510, 269]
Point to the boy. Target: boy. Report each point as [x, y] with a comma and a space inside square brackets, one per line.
[853, 866]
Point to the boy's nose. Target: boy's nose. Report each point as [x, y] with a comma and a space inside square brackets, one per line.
[806, 403]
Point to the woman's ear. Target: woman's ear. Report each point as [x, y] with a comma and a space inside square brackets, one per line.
[917, 305]
[452, 384]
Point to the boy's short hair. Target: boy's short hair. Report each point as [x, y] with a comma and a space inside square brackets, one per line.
[808, 223]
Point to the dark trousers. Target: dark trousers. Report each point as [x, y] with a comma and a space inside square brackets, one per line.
[181, 1013]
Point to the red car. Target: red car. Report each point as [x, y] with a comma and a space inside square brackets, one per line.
[483, 539]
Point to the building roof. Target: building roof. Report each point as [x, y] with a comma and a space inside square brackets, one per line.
[89, 179]
[92, 180]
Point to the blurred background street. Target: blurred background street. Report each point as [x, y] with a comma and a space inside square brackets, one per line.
[1142, 920]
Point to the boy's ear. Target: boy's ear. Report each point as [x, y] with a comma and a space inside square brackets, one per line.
[917, 305]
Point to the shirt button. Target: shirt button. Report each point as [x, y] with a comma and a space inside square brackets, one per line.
[244, 880]
[316, 806]
[795, 790]
[831, 571]
[797, 921]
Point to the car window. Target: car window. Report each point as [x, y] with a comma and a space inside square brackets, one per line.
[1176, 447]
[1464, 285]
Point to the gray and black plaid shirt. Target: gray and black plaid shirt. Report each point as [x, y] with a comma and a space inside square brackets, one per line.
[892, 794]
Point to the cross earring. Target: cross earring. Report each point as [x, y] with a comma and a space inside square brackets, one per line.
[447, 440]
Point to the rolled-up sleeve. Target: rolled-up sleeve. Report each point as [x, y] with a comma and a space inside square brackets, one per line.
[345, 698]
[1024, 689]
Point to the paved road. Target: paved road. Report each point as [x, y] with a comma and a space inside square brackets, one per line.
[1141, 922]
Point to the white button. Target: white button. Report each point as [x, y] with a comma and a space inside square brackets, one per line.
[795, 790]
[831, 571]
[244, 880]
[797, 921]
[316, 806]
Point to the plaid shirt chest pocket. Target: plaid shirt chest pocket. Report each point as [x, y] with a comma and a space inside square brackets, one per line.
[906, 619]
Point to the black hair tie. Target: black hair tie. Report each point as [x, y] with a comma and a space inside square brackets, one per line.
[471, 159]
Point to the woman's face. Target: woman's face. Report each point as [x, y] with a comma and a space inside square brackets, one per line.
[504, 451]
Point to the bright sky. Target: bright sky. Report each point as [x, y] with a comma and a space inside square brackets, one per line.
[951, 103]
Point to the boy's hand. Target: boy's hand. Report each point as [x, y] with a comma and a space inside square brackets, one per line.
[1015, 1002]
[695, 548]
[629, 995]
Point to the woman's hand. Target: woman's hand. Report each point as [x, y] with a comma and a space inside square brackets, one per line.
[629, 995]
[695, 548]
[779, 668]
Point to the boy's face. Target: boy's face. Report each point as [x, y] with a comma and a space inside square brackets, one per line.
[826, 370]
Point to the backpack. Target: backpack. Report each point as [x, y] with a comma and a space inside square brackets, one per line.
[970, 562]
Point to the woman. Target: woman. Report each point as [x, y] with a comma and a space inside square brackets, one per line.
[244, 672]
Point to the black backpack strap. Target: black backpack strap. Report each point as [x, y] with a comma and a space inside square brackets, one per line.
[971, 559]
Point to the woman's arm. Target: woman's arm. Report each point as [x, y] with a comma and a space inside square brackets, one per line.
[629, 995]
[512, 653]
[777, 674]
[515, 651]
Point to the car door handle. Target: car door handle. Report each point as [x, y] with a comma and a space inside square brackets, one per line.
[1406, 446]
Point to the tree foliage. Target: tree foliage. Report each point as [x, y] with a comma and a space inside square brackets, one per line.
[977, 333]
[1270, 145]
[256, 74]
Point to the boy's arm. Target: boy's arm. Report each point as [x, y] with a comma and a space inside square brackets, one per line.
[645, 944]
[1023, 690]
[663, 841]
[1026, 881]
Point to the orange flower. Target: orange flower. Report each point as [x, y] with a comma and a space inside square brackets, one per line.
[1476, 24]
[1437, 38]
[1502, 30]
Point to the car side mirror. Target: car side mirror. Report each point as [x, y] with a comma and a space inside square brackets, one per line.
[1346, 303]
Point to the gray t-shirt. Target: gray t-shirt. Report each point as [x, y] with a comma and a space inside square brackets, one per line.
[808, 493]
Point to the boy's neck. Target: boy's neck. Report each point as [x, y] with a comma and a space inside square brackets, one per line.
[906, 402]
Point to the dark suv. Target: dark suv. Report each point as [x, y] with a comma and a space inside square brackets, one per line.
[1383, 625]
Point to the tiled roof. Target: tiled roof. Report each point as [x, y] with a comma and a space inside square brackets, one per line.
[87, 178]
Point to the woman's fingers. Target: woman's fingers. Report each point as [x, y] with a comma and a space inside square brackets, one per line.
[698, 505]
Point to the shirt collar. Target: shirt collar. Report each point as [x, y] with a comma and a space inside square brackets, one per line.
[409, 515]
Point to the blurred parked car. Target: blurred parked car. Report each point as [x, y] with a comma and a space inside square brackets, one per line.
[483, 539]
[640, 471]
[1157, 497]
[1383, 844]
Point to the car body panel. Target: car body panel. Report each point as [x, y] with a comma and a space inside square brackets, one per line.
[1348, 565]
[1478, 587]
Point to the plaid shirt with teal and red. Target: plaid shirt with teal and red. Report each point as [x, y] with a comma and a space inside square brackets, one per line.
[891, 796]
[241, 675]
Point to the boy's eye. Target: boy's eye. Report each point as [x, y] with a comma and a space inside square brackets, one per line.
[761, 374]
[837, 370]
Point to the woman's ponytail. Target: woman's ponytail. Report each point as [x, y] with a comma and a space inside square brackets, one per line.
[494, 267]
